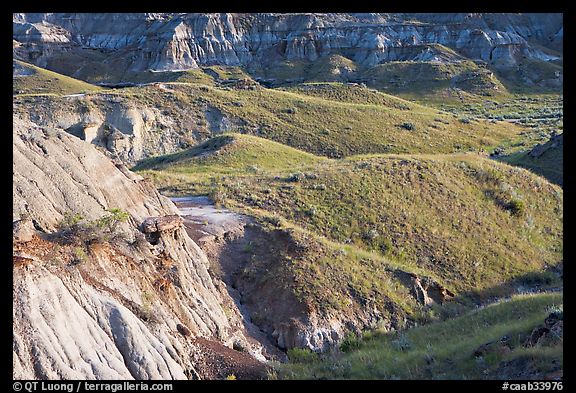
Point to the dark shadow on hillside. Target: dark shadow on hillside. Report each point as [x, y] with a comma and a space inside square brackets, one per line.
[547, 280]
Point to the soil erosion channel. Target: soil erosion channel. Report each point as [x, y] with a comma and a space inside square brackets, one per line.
[225, 237]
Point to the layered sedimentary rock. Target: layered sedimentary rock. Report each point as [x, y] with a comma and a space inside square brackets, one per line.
[183, 41]
[110, 309]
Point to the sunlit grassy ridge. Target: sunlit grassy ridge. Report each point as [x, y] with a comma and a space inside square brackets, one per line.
[357, 94]
[430, 78]
[472, 222]
[42, 81]
[445, 350]
[334, 129]
[233, 153]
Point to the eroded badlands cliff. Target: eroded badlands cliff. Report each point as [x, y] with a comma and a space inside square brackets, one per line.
[127, 308]
[72, 43]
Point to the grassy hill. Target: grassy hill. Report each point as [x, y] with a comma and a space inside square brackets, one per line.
[548, 163]
[225, 155]
[473, 223]
[350, 93]
[42, 81]
[323, 126]
[429, 79]
[451, 349]
[233, 153]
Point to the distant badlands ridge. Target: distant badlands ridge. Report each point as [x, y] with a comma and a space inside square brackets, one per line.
[181, 41]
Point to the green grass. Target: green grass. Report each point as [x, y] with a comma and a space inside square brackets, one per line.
[473, 223]
[194, 76]
[418, 80]
[538, 70]
[453, 215]
[233, 153]
[330, 68]
[223, 73]
[443, 350]
[44, 82]
[434, 81]
[326, 120]
[539, 116]
[549, 164]
[334, 129]
[225, 155]
[332, 280]
[354, 94]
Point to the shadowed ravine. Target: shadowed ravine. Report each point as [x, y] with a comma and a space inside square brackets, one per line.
[224, 235]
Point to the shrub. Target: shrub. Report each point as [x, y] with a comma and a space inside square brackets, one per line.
[371, 234]
[350, 343]
[69, 222]
[311, 211]
[516, 207]
[296, 177]
[79, 255]
[302, 355]
[402, 343]
[408, 126]
[110, 221]
[74, 227]
[276, 221]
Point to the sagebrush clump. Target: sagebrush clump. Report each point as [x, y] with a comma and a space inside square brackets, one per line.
[75, 228]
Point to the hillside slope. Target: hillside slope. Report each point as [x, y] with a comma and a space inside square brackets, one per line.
[141, 122]
[520, 338]
[375, 240]
[107, 284]
[30, 79]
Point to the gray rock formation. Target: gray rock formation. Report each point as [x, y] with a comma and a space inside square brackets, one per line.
[108, 310]
[124, 128]
[141, 42]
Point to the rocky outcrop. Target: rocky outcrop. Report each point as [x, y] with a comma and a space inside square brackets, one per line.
[139, 42]
[126, 129]
[427, 291]
[23, 230]
[162, 224]
[111, 309]
[255, 263]
[550, 333]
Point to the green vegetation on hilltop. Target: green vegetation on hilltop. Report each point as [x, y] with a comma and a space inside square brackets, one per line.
[329, 128]
[539, 115]
[472, 222]
[447, 349]
[42, 81]
[540, 70]
[226, 72]
[352, 93]
[230, 155]
[411, 79]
